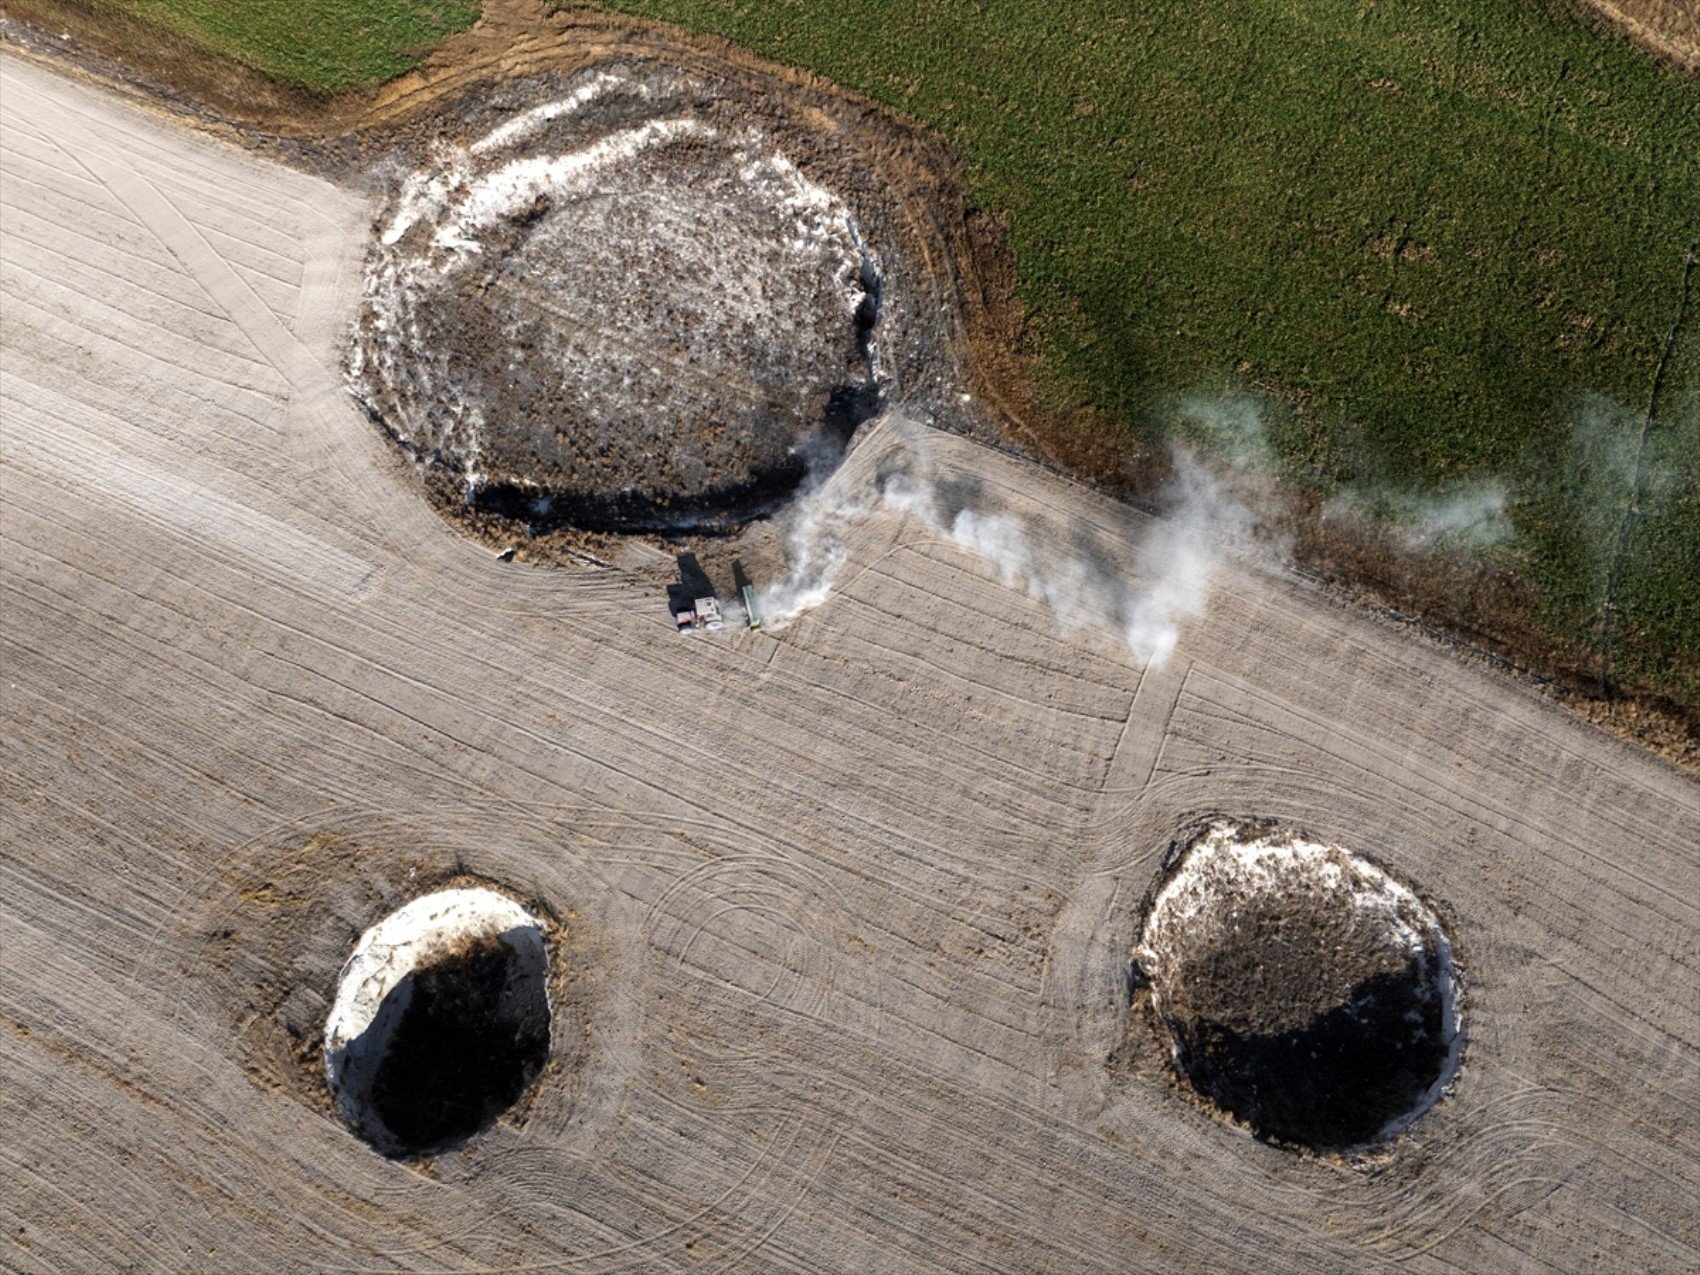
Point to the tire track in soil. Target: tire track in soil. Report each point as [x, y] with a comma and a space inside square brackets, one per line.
[862, 919]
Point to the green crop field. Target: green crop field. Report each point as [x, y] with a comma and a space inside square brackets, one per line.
[326, 45]
[1428, 241]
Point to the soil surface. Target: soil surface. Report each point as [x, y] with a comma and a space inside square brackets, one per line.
[959, 347]
[852, 901]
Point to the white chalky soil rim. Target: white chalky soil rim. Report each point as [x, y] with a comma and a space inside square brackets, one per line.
[374, 989]
[1236, 889]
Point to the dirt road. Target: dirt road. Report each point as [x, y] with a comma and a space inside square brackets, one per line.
[847, 908]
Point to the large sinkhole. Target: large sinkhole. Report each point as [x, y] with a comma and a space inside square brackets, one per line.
[1307, 994]
[632, 306]
[441, 1020]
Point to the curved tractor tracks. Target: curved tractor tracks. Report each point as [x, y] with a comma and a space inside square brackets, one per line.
[844, 913]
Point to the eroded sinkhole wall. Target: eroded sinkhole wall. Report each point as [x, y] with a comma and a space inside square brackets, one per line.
[625, 308]
[1307, 993]
[441, 1020]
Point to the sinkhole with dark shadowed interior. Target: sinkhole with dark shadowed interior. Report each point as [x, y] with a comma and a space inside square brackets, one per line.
[442, 1022]
[1306, 993]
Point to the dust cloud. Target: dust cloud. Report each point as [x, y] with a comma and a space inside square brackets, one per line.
[1456, 518]
[1465, 516]
[1083, 580]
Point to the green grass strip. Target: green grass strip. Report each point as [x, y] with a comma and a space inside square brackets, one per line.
[325, 45]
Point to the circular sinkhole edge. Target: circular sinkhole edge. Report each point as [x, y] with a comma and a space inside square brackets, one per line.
[441, 1020]
[628, 308]
[1305, 993]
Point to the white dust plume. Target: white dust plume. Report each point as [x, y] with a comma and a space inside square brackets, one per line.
[1457, 518]
[1463, 517]
[1071, 570]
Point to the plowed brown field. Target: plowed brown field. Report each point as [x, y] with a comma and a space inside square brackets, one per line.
[846, 910]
